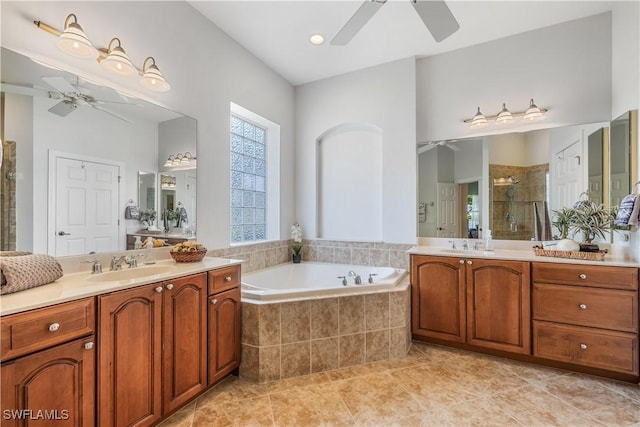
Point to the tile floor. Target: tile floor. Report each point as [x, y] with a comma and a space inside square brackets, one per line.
[431, 386]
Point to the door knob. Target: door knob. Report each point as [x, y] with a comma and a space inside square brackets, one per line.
[214, 301]
[170, 286]
[62, 233]
[158, 289]
[88, 345]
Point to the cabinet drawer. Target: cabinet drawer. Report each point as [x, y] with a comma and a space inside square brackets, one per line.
[612, 351]
[600, 308]
[586, 275]
[38, 329]
[224, 278]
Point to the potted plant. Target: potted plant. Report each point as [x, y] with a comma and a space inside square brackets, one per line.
[147, 217]
[592, 220]
[296, 247]
[563, 220]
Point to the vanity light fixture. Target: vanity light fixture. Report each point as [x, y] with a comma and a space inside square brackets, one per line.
[186, 159]
[505, 117]
[117, 60]
[479, 121]
[74, 41]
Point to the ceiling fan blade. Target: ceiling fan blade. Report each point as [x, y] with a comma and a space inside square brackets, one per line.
[60, 84]
[437, 17]
[63, 108]
[452, 147]
[22, 90]
[356, 22]
[104, 110]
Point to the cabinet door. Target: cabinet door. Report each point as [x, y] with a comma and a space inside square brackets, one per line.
[54, 387]
[498, 305]
[224, 334]
[129, 357]
[438, 297]
[185, 335]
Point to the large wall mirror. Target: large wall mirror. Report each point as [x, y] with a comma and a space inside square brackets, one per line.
[510, 183]
[83, 154]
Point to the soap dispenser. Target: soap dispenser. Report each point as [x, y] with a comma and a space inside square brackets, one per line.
[488, 244]
[138, 243]
[149, 258]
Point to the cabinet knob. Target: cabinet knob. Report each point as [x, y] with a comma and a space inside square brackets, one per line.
[214, 301]
[469, 262]
[583, 276]
[88, 345]
[170, 286]
[583, 346]
[54, 327]
[583, 306]
[461, 261]
[158, 289]
[227, 279]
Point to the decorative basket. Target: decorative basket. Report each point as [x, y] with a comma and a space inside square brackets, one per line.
[591, 256]
[188, 256]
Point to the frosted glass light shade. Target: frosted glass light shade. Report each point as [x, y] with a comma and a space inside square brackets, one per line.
[504, 116]
[533, 113]
[479, 121]
[74, 41]
[118, 62]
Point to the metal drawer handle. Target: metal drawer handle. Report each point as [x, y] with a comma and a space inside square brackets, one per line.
[88, 345]
[583, 346]
[170, 286]
[461, 261]
[469, 262]
[583, 306]
[54, 327]
[583, 276]
[227, 279]
[214, 301]
[158, 289]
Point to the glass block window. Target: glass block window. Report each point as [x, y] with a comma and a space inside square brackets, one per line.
[248, 181]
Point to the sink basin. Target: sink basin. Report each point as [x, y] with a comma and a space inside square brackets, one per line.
[129, 273]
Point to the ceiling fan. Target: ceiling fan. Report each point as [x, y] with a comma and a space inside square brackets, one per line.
[426, 146]
[71, 97]
[434, 13]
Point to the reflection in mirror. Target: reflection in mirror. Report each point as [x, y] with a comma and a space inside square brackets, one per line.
[146, 190]
[59, 121]
[598, 188]
[523, 178]
[622, 156]
[177, 201]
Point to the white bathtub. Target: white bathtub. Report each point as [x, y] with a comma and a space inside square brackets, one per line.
[308, 280]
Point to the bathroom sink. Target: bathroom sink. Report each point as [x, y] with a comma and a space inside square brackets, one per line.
[129, 273]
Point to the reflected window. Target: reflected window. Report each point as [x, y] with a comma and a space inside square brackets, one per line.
[248, 181]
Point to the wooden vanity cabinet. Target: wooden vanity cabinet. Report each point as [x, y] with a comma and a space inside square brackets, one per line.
[224, 322]
[480, 302]
[152, 338]
[52, 379]
[586, 316]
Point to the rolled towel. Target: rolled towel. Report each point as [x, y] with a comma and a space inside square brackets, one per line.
[626, 208]
[634, 219]
[27, 271]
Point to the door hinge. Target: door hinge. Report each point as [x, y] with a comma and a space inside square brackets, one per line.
[119, 178]
[118, 222]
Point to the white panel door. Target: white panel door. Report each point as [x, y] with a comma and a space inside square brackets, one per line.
[566, 179]
[86, 207]
[190, 200]
[447, 201]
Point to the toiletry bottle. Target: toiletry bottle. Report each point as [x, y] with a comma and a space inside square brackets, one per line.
[149, 258]
[488, 244]
[138, 243]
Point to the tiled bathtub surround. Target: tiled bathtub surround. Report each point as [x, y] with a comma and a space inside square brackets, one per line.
[290, 339]
[267, 254]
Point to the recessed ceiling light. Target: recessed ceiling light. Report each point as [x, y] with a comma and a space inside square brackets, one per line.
[316, 39]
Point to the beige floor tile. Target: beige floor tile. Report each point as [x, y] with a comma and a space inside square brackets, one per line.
[233, 388]
[375, 398]
[590, 395]
[480, 412]
[247, 412]
[182, 418]
[531, 406]
[297, 382]
[310, 406]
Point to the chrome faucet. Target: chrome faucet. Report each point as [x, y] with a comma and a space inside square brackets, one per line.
[453, 243]
[356, 277]
[116, 263]
[465, 245]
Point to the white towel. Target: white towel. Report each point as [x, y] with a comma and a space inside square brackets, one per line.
[634, 219]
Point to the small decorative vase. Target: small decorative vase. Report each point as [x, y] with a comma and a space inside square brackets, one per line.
[297, 258]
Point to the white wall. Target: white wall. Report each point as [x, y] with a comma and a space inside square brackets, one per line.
[468, 162]
[625, 65]
[383, 96]
[206, 68]
[564, 67]
[428, 190]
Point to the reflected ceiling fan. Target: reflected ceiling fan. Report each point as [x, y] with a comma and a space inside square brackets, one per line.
[434, 13]
[426, 146]
[71, 97]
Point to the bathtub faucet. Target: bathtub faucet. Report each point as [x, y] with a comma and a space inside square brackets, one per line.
[371, 277]
[344, 280]
[356, 277]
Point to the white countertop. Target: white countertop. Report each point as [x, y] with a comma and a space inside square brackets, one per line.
[80, 285]
[611, 259]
